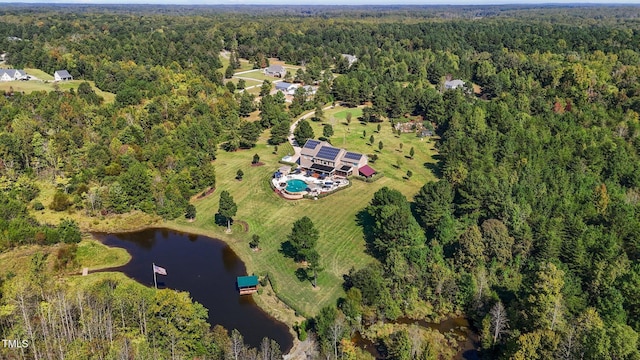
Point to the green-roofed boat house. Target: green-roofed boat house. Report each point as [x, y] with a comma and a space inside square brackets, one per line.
[247, 284]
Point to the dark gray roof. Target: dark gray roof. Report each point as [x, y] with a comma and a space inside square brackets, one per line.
[345, 168]
[275, 68]
[282, 85]
[12, 72]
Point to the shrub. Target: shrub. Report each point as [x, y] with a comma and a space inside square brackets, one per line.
[190, 212]
[69, 231]
[60, 202]
[38, 206]
[255, 241]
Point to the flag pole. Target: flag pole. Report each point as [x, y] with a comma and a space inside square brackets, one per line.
[155, 282]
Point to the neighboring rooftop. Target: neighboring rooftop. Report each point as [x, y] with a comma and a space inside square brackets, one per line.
[275, 68]
[62, 73]
[453, 84]
[283, 85]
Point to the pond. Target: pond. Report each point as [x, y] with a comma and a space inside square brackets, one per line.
[207, 268]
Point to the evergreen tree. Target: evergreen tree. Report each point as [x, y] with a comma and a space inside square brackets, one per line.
[434, 201]
[191, 212]
[255, 241]
[247, 104]
[314, 264]
[319, 113]
[231, 87]
[265, 89]
[228, 73]
[303, 132]
[327, 131]
[303, 238]
[279, 133]
[227, 208]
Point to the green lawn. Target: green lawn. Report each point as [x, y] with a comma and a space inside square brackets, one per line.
[258, 74]
[41, 75]
[244, 64]
[247, 82]
[341, 113]
[37, 85]
[341, 243]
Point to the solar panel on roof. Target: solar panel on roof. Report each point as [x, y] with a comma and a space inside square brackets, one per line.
[327, 152]
[311, 144]
[352, 156]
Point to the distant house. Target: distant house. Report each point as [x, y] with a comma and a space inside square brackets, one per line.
[62, 75]
[320, 157]
[3, 56]
[453, 84]
[286, 88]
[425, 133]
[275, 71]
[350, 58]
[12, 75]
[310, 90]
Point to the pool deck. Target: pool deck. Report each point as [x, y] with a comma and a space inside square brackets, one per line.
[316, 185]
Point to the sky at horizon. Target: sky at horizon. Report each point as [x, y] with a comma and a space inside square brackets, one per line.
[325, 2]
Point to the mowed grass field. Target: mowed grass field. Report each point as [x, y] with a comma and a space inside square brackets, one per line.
[341, 244]
[37, 85]
[258, 74]
[247, 82]
[244, 64]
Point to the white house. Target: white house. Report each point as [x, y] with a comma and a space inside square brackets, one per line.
[276, 71]
[12, 74]
[3, 56]
[453, 84]
[310, 90]
[286, 88]
[62, 75]
[350, 58]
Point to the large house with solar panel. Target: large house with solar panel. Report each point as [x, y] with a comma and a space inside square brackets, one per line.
[322, 158]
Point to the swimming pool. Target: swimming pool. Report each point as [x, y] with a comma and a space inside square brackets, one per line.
[295, 185]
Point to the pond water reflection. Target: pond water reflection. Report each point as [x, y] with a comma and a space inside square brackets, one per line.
[207, 268]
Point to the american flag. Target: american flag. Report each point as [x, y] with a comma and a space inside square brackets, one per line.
[159, 270]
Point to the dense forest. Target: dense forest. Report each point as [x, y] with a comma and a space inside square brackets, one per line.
[532, 231]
